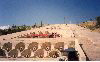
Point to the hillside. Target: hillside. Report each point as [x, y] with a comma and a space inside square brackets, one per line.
[90, 25]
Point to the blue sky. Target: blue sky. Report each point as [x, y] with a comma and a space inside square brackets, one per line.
[49, 11]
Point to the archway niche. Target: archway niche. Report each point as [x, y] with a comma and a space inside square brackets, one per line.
[20, 46]
[39, 53]
[7, 46]
[46, 46]
[13, 53]
[59, 46]
[26, 53]
[33, 46]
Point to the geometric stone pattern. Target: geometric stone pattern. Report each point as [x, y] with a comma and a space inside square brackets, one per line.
[43, 52]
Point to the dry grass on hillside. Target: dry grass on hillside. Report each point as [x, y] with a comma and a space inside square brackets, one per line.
[91, 26]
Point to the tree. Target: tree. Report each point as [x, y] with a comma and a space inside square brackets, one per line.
[98, 21]
[35, 24]
[14, 26]
[41, 23]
